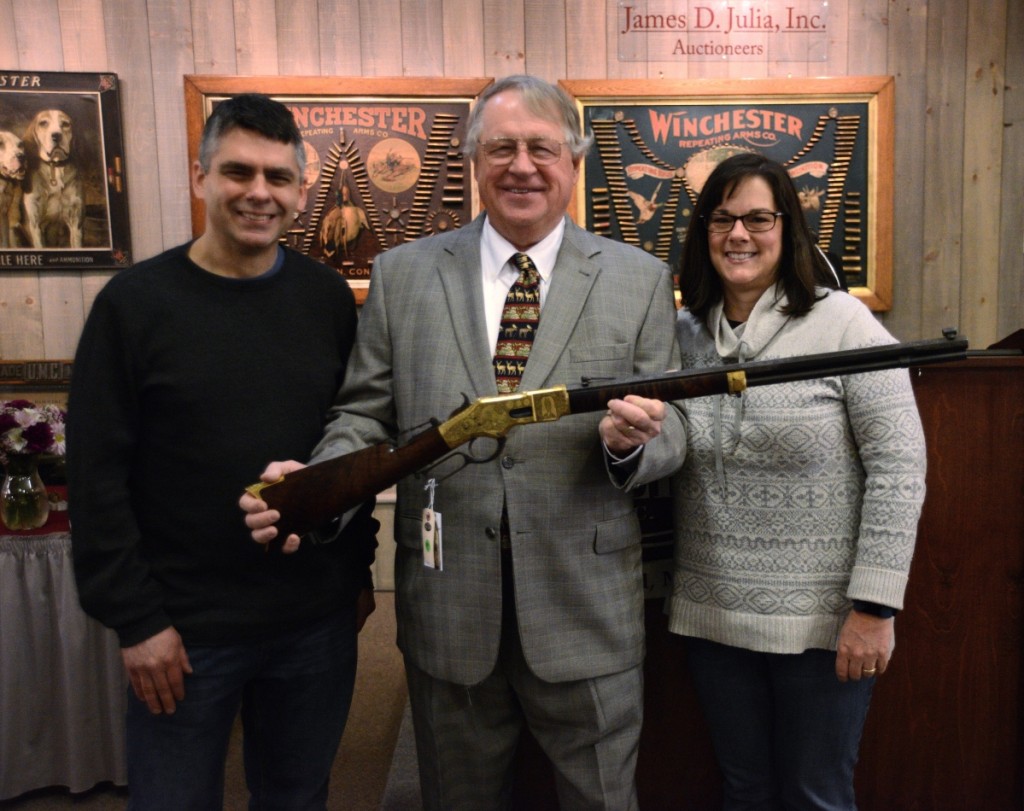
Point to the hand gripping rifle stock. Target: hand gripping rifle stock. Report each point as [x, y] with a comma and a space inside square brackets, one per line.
[312, 497]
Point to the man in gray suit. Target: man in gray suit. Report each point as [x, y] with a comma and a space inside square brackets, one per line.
[536, 615]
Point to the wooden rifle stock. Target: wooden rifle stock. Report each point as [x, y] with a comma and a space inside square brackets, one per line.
[312, 497]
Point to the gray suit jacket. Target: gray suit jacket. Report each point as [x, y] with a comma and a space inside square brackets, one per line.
[421, 345]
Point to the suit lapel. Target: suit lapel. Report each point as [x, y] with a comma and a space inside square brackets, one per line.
[460, 275]
[574, 275]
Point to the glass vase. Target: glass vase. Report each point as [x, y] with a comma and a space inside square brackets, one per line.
[23, 501]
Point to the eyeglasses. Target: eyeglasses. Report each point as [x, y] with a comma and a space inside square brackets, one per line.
[755, 221]
[502, 151]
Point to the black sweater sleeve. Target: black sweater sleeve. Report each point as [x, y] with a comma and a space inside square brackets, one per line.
[114, 581]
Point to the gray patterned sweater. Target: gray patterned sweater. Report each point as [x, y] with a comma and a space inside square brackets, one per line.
[797, 498]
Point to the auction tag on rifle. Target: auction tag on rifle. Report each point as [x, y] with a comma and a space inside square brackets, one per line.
[430, 532]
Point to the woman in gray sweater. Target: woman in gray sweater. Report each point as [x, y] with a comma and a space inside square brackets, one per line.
[797, 507]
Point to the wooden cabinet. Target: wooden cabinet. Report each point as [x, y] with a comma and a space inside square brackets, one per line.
[945, 729]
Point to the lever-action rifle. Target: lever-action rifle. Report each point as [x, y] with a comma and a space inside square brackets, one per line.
[312, 497]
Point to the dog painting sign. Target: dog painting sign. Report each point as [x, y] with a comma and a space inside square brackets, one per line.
[63, 192]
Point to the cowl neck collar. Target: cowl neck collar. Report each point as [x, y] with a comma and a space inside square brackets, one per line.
[740, 344]
[747, 341]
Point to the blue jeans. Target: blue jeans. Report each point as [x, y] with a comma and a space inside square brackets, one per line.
[294, 691]
[785, 730]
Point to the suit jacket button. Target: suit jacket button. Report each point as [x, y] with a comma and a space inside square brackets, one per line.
[491, 533]
[507, 462]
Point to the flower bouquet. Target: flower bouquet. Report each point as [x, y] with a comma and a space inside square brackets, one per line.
[28, 433]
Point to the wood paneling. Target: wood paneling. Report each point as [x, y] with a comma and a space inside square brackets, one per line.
[504, 38]
[959, 117]
[255, 23]
[131, 59]
[907, 59]
[422, 37]
[213, 37]
[172, 53]
[380, 26]
[545, 23]
[1011, 230]
[983, 138]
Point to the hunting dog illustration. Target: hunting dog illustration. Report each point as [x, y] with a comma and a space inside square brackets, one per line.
[12, 174]
[53, 201]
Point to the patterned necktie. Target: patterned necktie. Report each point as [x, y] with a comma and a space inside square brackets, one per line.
[519, 322]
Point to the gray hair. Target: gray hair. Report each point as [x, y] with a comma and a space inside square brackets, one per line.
[546, 100]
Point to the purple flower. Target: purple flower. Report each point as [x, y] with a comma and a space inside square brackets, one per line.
[38, 437]
[26, 429]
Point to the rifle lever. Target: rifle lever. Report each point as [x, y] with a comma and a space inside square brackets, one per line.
[467, 459]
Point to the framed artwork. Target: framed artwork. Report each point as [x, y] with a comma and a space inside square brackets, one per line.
[384, 160]
[63, 186]
[41, 381]
[655, 143]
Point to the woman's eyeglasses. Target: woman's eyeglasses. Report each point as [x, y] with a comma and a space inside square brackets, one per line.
[755, 221]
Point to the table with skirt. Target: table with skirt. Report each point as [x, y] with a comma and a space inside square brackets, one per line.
[62, 684]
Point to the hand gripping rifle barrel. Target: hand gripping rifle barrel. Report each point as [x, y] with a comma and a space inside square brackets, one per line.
[312, 497]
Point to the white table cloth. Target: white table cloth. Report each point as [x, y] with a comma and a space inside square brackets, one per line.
[62, 686]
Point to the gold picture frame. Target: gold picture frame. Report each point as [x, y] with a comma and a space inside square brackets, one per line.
[656, 141]
[385, 161]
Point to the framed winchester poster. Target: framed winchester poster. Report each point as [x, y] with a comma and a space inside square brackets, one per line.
[384, 159]
[657, 141]
[63, 190]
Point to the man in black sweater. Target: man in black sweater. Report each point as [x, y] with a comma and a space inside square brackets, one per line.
[195, 368]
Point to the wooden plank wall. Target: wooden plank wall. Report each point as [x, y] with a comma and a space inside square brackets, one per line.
[959, 68]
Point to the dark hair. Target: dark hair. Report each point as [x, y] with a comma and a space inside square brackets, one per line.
[256, 113]
[801, 266]
[546, 100]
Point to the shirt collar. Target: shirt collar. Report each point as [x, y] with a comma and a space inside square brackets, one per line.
[496, 250]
